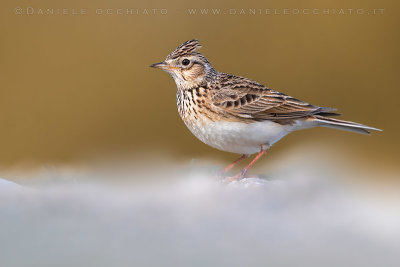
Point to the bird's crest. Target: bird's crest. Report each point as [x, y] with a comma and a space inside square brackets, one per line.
[188, 47]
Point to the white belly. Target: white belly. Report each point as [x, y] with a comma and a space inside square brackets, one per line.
[239, 137]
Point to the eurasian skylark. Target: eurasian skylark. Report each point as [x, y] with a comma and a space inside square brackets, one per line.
[238, 115]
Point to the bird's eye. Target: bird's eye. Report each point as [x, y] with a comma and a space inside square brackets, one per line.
[185, 62]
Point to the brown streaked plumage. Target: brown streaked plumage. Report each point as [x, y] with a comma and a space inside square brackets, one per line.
[236, 114]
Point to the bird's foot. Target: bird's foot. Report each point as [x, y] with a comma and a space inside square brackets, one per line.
[221, 175]
[237, 177]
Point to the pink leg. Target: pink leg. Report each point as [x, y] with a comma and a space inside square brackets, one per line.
[241, 174]
[230, 166]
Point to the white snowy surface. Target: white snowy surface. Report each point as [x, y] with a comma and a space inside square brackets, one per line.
[7, 185]
[296, 219]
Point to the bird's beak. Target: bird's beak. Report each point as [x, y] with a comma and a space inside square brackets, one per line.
[160, 65]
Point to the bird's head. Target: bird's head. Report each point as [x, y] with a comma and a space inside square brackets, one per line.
[187, 67]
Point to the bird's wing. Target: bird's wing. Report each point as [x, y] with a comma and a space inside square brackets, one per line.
[244, 98]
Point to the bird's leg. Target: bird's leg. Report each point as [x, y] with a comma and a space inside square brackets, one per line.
[230, 166]
[243, 172]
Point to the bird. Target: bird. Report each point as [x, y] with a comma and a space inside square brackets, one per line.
[238, 115]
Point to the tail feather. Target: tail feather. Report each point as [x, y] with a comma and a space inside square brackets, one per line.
[343, 125]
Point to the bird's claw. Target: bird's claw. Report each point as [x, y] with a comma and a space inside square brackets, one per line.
[237, 177]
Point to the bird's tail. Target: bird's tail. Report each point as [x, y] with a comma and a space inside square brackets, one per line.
[343, 125]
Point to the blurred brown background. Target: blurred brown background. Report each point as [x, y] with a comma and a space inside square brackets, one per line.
[74, 86]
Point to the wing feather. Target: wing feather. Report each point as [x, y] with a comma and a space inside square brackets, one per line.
[244, 98]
